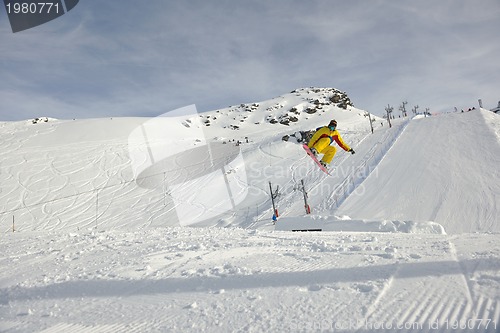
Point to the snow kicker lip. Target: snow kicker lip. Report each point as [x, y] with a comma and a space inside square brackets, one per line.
[204, 180]
[332, 223]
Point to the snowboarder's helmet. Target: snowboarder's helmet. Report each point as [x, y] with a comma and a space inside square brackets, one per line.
[333, 124]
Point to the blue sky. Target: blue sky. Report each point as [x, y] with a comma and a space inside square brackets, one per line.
[144, 58]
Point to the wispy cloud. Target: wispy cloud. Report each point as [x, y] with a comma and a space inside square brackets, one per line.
[145, 58]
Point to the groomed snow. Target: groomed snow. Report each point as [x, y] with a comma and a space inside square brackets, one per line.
[412, 218]
[228, 279]
[443, 169]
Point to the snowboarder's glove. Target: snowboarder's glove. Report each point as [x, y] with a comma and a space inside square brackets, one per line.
[352, 151]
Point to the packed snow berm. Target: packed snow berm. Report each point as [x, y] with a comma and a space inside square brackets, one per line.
[96, 237]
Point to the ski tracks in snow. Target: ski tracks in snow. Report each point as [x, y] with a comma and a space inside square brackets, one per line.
[229, 279]
[361, 169]
[326, 193]
[434, 296]
[60, 187]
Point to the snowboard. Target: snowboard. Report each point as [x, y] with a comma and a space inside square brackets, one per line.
[309, 152]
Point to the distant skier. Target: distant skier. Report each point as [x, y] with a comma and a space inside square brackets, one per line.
[321, 140]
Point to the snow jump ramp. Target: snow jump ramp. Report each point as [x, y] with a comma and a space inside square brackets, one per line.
[332, 223]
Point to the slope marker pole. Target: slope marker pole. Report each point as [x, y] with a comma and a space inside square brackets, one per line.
[96, 207]
[274, 195]
[306, 204]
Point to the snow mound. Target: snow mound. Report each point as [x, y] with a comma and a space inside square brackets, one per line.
[333, 223]
[444, 169]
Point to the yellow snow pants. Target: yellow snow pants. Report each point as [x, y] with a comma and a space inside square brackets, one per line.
[322, 146]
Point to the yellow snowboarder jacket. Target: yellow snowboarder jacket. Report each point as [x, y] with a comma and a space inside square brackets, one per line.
[326, 132]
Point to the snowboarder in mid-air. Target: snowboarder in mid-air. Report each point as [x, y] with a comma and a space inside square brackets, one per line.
[323, 138]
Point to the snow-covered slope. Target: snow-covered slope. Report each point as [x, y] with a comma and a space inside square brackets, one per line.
[81, 173]
[99, 208]
[443, 169]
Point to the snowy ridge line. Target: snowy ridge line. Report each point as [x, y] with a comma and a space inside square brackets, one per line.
[370, 162]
